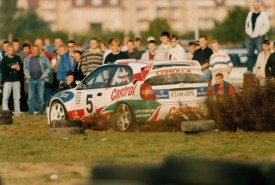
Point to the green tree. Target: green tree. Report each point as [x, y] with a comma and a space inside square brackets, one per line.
[232, 29]
[22, 24]
[155, 28]
[8, 13]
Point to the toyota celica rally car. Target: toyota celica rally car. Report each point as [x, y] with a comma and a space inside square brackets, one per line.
[130, 92]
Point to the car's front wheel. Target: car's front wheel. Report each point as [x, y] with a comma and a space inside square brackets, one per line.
[123, 118]
[58, 111]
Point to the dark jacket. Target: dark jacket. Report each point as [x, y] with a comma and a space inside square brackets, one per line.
[270, 66]
[9, 74]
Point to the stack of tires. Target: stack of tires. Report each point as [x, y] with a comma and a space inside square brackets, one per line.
[6, 117]
[195, 127]
[61, 127]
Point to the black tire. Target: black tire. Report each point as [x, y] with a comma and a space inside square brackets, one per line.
[66, 123]
[214, 131]
[67, 131]
[63, 115]
[6, 121]
[5, 114]
[123, 118]
[197, 125]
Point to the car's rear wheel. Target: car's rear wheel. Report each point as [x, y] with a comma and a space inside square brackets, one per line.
[124, 118]
[58, 111]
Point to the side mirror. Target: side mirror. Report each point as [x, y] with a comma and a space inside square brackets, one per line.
[79, 86]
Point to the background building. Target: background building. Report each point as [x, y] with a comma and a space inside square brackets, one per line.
[79, 16]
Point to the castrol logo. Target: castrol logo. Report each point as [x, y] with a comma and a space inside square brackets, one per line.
[182, 110]
[126, 91]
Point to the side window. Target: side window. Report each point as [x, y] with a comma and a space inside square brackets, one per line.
[122, 76]
[98, 78]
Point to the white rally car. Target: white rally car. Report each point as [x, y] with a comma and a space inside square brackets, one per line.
[130, 92]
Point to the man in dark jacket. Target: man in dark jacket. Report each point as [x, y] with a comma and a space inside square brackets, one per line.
[11, 67]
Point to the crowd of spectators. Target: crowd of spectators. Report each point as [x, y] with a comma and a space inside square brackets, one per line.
[32, 73]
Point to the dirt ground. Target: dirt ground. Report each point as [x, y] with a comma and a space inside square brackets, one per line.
[45, 173]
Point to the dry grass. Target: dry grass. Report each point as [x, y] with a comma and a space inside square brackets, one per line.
[30, 154]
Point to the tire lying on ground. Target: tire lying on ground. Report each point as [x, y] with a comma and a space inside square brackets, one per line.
[197, 125]
[214, 131]
[5, 121]
[5, 114]
[67, 131]
[66, 123]
[66, 127]
[6, 117]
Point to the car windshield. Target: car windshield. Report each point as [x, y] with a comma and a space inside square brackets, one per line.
[170, 79]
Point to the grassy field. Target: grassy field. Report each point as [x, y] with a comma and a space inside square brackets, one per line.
[29, 154]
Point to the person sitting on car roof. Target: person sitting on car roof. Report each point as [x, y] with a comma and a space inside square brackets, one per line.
[222, 87]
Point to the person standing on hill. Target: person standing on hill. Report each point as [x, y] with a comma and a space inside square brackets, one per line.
[256, 26]
[261, 62]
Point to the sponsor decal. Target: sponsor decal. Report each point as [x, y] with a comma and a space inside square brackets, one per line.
[65, 96]
[78, 98]
[172, 71]
[126, 91]
[202, 91]
[162, 93]
[182, 110]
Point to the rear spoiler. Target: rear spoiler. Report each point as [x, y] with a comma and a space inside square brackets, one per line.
[192, 63]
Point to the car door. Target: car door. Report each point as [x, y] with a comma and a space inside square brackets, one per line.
[92, 90]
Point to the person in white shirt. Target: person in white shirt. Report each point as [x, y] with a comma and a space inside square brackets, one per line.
[261, 62]
[165, 45]
[256, 26]
[219, 62]
[176, 51]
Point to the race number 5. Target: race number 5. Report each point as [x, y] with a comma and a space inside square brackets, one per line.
[89, 103]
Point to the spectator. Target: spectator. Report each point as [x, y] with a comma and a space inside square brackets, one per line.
[176, 51]
[165, 44]
[137, 45]
[92, 57]
[273, 47]
[123, 47]
[77, 71]
[219, 62]
[37, 68]
[22, 55]
[261, 62]
[48, 46]
[191, 50]
[116, 54]
[256, 26]
[26, 47]
[222, 87]
[55, 62]
[57, 43]
[152, 53]
[4, 48]
[67, 62]
[270, 67]
[132, 52]
[38, 42]
[11, 66]
[108, 49]
[69, 84]
[202, 55]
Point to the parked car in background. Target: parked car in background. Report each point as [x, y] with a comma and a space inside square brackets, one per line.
[130, 92]
[239, 58]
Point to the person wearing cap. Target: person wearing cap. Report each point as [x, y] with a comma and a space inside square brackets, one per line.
[256, 26]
